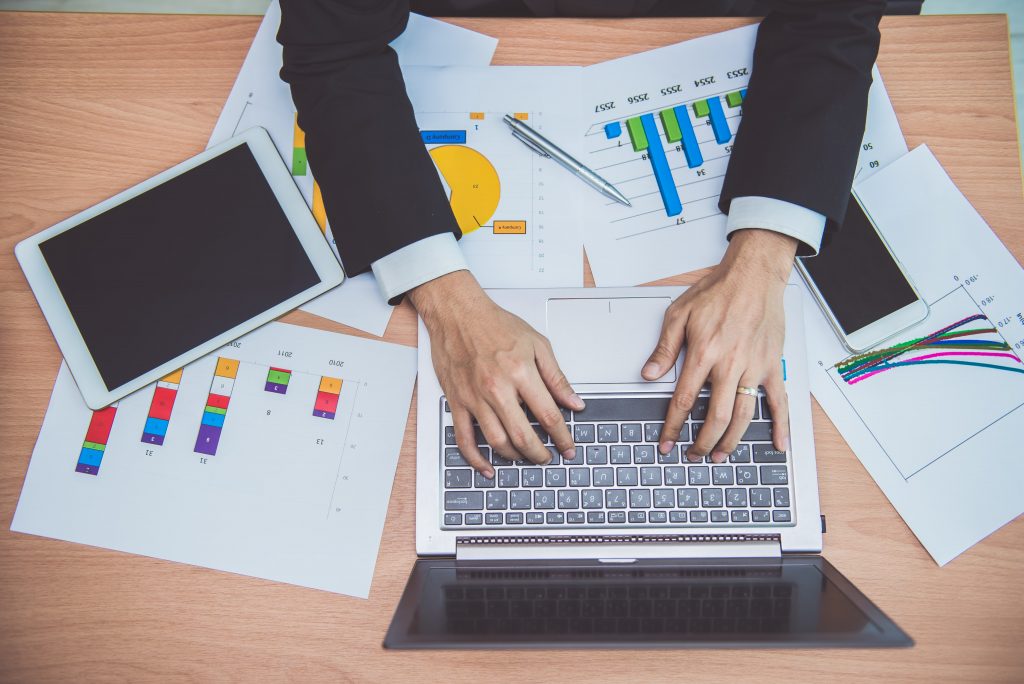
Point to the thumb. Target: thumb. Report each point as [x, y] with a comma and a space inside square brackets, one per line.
[673, 331]
[555, 379]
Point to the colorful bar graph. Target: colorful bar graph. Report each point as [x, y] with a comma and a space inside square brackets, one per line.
[691, 148]
[718, 123]
[319, 211]
[216, 406]
[298, 150]
[95, 442]
[277, 380]
[636, 134]
[659, 164]
[326, 405]
[613, 130]
[159, 417]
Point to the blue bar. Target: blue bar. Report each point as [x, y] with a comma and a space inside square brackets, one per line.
[214, 419]
[90, 457]
[743, 93]
[155, 426]
[662, 172]
[690, 147]
[613, 130]
[718, 123]
[433, 137]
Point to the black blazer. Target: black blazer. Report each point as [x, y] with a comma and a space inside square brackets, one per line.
[803, 116]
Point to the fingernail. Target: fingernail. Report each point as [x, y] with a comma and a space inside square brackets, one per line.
[651, 370]
[693, 458]
[719, 457]
[569, 454]
[665, 447]
[489, 474]
[577, 401]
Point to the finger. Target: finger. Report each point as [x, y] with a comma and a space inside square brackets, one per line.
[465, 438]
[544, 409]
[520, 434]
[556, 382]
[692, 378]
[742, 413]
[670, 342]
[720, 409]
[495, 433]
[778, 404]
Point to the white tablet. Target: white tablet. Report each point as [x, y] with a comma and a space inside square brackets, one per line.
[177, 266]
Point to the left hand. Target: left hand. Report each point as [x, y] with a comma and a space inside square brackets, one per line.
[733, 325]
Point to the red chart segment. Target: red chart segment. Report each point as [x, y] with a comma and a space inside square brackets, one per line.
[326, 405]
[216, 406]
[160, 408]
[95, 443]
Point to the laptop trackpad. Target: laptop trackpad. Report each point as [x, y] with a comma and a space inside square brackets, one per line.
[606, 340]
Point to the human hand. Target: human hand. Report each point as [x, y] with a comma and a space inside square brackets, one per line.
[733, 325]
[489, 362]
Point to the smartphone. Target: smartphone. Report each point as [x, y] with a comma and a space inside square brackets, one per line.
[860, 286]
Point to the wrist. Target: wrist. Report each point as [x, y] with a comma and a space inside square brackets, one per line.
[452, 290]
[762, 253]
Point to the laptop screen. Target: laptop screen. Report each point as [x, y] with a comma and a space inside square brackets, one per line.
[745, 603]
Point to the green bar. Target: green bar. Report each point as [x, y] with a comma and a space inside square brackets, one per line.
[278, 377]
[700, 109]
[734, 99]
[299, 161]
[671, 125]
[94, 445]
[636, 134]
[214, 409]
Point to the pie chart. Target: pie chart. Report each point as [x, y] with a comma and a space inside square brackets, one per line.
[473, 182]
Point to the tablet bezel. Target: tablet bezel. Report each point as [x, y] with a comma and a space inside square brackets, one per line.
[62, 323]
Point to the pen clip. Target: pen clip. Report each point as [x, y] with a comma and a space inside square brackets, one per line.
[529, 143]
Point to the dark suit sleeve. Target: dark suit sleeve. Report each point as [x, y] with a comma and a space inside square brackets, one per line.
[380, 188]
[806, 104]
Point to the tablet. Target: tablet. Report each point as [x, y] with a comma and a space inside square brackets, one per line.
[177, 266]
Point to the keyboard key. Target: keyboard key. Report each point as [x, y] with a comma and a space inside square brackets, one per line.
[493, 518]
[766, 413]
[543, 499]
[699, 516]
[740, 516]
[533, 477]
[761, 516]
[619, 453]
[534, 518]
[520, 499]
[700, 408]
[508, 477]
[781, 516]
[452, 518]
[746, 475]
[670, 457]
[774, 474]
[699, 475]
[607, 432]
[579, 477]
[555, 457]
[447, 408]
[639, 498]
[578, 459]
[497, 500]
[626, 477]
[664, 498]
[568, 498]
[604, 477]
[694, 430]
[461, 478]
[760, 497]
[688, 497]
[624, 408]
[453, 457]
[557, 518]
[481, 482]
[722, 475]
[766, 453]
[542, 435]
[643, 454]
[554, 477]
[595, 517]
[597, 455]
[593, 498]
[711, 497]
[637, 517]
[652, 432]
[474, 518]
[575, 517]
[758, 431]
[719, 516]
[657, 516]
[479, 435]
[632, 432]
[736, 497]
[677, 516]
[781, 497]
[583, 433]
[741, 455]
[650, 477]
[449, 434]
[497, 460]
[675, 475]
[615, 498]
[617, 517]
[513, 518]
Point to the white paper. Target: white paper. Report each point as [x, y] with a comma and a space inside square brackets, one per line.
[260, 98]
[288, 496]
[630, 246]
[521, 213]
[942, 441]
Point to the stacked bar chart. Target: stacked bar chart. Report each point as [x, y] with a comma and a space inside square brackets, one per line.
[95, 443]
[326, 405]
[277, 380]
[160, 408]
[216, 406]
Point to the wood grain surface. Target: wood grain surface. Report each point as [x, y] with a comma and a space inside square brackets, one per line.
[91, 104]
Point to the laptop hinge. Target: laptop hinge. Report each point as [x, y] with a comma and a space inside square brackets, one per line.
[618, 547]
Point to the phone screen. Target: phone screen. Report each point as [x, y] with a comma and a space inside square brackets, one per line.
[856, 274]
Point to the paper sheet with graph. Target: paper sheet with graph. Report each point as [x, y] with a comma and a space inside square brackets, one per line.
[936, 414]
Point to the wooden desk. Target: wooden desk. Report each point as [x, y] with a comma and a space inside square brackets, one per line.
[93, 104]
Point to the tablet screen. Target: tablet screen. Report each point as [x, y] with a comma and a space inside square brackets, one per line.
[172, 268]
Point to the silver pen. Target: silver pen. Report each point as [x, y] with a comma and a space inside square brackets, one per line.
[545, 148]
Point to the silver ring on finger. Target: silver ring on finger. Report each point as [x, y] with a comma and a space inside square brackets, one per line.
[749, 391]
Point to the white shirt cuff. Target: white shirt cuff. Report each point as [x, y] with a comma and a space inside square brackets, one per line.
[787, 218]
[415, 264]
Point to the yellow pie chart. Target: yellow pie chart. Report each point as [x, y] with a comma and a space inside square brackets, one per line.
[473, 181]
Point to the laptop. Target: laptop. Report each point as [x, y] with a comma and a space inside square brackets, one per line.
[623, 546]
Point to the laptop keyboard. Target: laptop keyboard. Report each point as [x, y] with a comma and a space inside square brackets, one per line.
[619, 478]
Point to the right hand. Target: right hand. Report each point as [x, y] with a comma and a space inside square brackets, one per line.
[489, 362]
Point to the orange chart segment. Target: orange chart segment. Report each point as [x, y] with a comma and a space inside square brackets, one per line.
[474, 183]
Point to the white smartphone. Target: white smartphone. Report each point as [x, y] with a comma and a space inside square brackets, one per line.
[860, 285]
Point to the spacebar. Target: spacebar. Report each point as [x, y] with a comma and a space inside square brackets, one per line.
[623, 408]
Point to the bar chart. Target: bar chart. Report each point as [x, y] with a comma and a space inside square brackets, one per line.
[216, 409]
[95, 442]
[160, 408]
